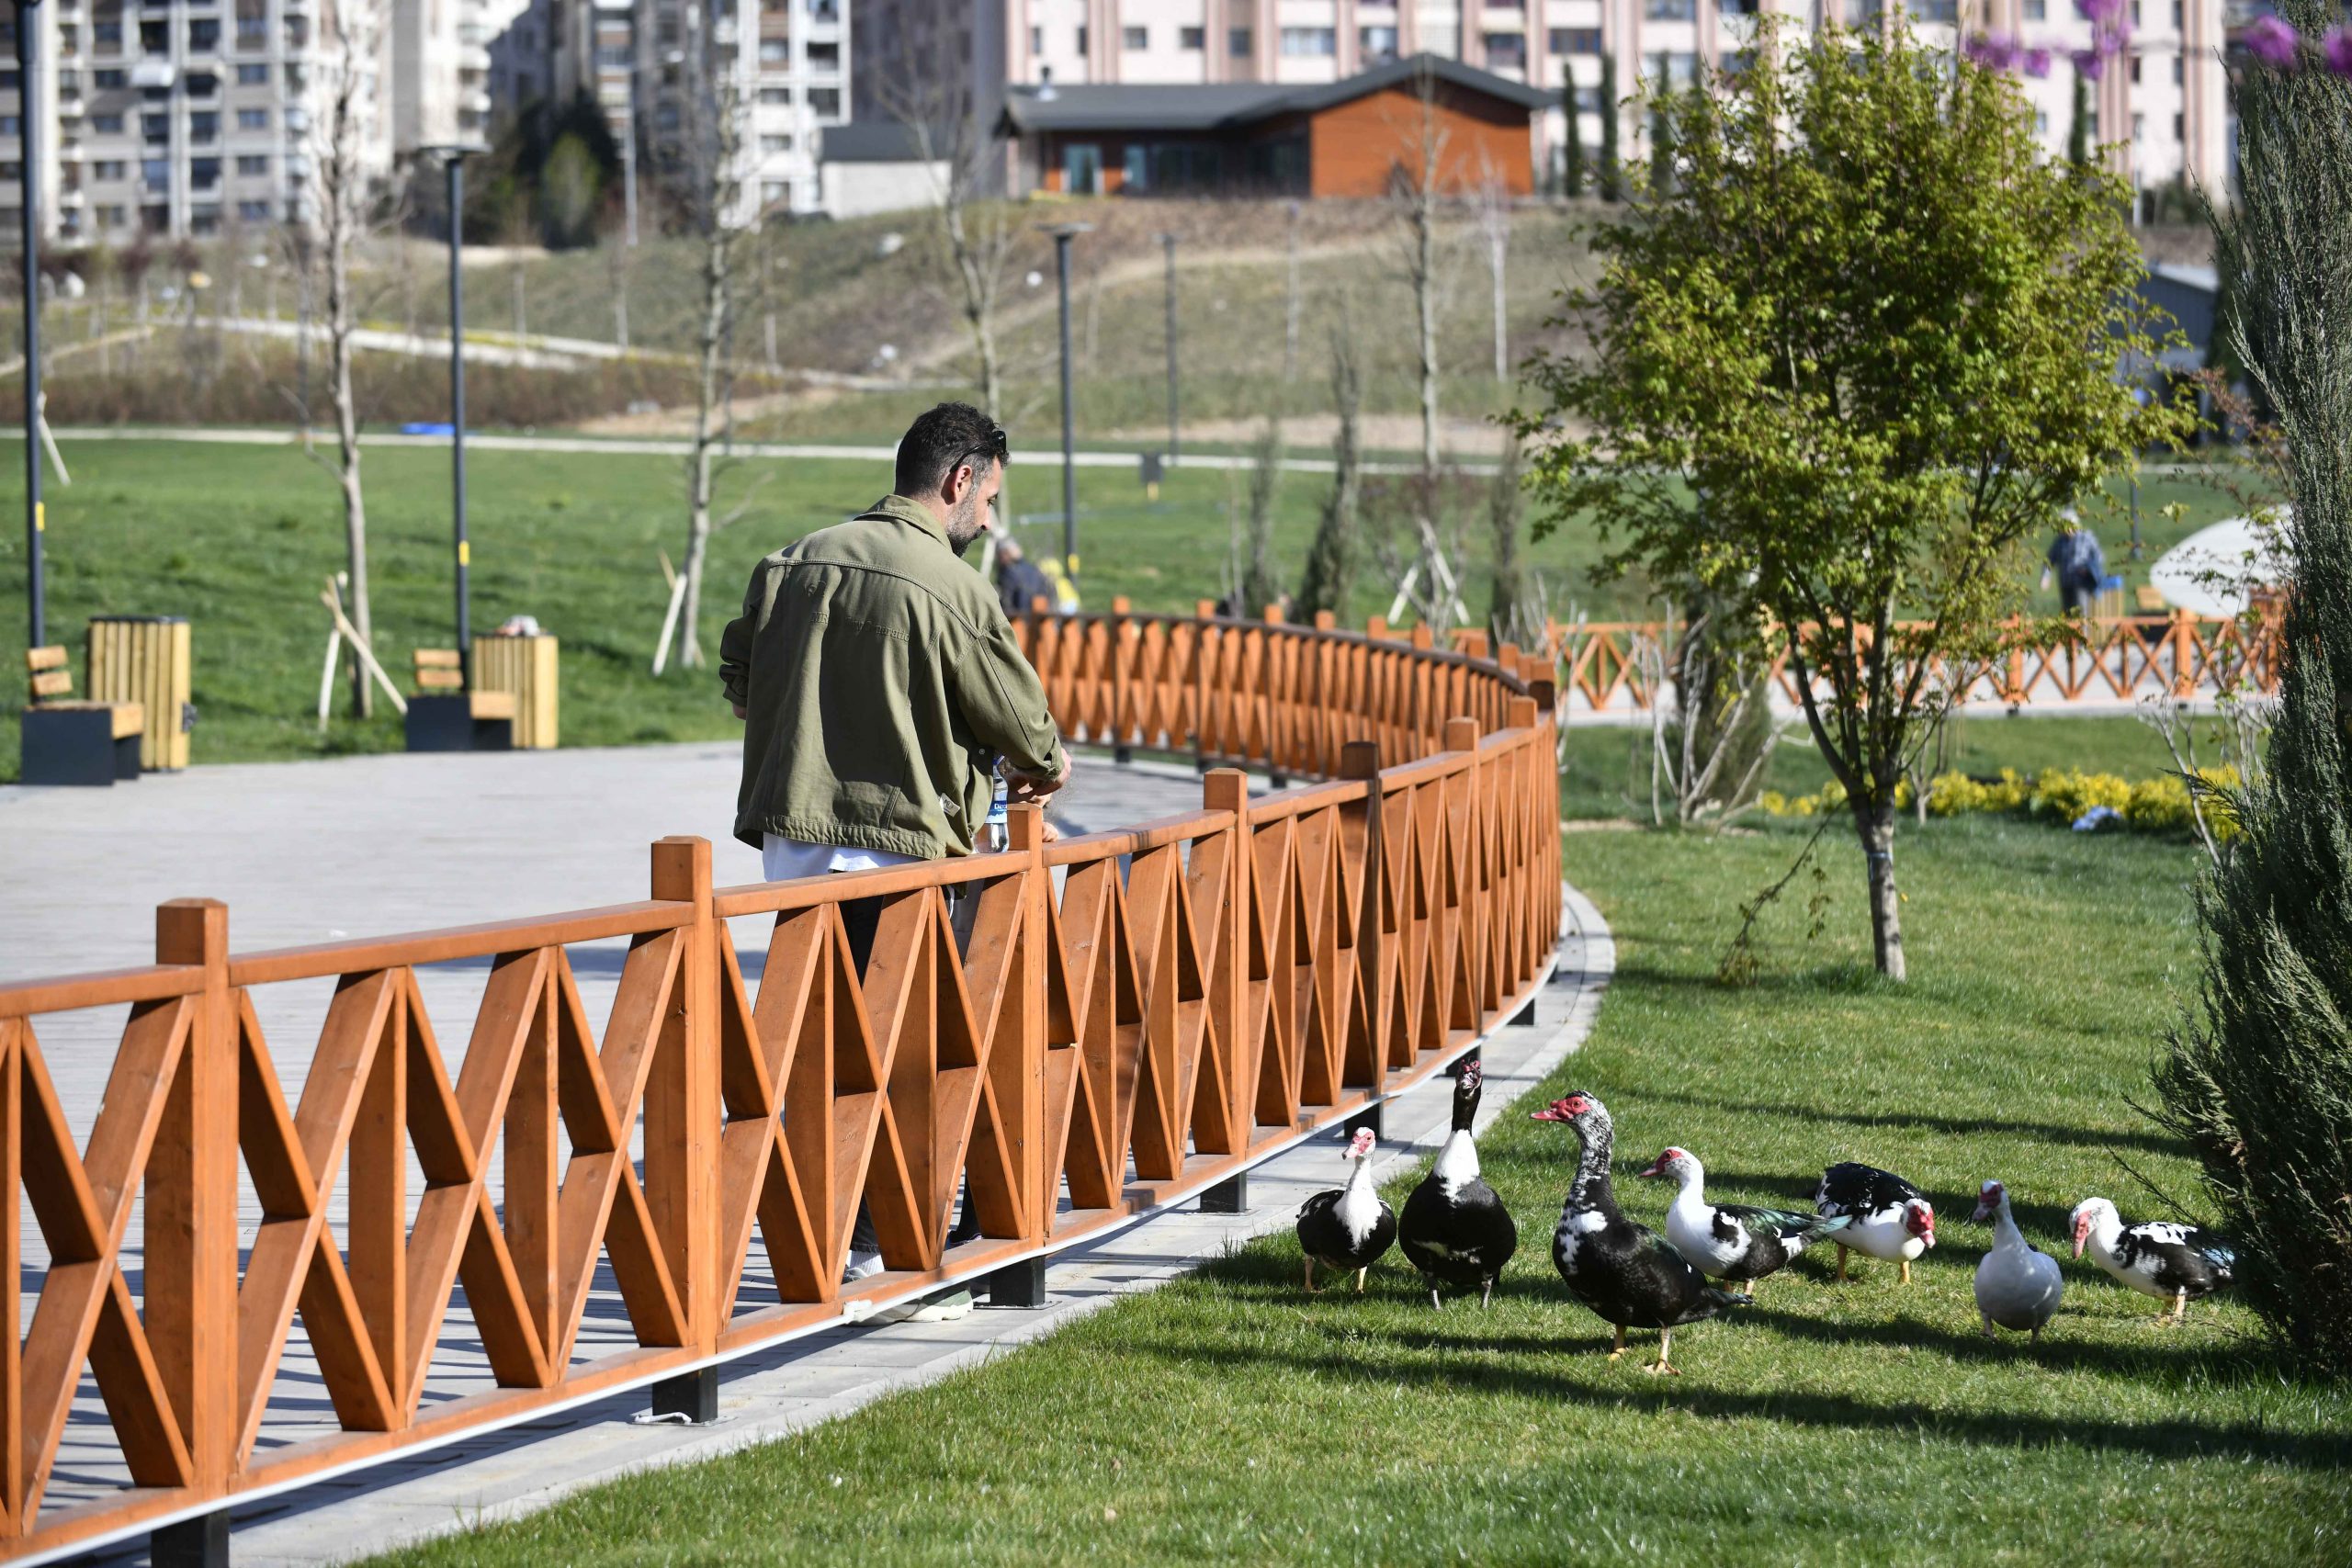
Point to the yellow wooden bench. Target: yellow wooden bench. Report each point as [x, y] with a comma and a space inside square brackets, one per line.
[438, 671]
[445, 716]
[70, 741]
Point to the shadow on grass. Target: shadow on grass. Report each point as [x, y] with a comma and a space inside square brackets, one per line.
[2171, 1439]
[1908, 1120]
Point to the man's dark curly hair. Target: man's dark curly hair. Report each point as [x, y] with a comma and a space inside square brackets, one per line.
[941, 440]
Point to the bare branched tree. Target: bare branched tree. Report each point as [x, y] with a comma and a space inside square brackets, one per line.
[1417, 199]
[927, 90]
[1493, 207]
[714, 206]
[348, 192]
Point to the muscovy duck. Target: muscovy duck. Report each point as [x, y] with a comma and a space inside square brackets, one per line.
[1454, 1229]
[1628, 1274]
[1737, 1243]
[1348, 1227]
[1892, 1218]
[2171, 1262]
[2017, 1285]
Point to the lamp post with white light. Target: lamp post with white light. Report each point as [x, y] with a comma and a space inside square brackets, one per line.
[28, 155]
[452, 158]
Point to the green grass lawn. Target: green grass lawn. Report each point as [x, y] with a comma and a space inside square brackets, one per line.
[1230, 1417]
[240, 539]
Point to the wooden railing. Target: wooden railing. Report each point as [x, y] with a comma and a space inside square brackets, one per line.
[241, 1274]
[1611, 666]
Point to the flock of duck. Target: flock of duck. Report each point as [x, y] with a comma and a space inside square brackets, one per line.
[1457, 1233]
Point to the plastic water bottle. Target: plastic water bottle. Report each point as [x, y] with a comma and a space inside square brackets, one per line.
[997, 827]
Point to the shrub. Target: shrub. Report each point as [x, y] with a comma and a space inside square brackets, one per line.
[2066, 794]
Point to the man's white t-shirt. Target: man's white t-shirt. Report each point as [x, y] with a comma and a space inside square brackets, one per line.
[782, 858]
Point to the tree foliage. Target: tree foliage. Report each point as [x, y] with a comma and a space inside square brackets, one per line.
[2260, 1080]
[1879, 335]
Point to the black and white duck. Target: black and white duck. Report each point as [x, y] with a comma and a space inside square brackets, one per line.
[1454, 1229]
[1628, 1274]
[1737, 1243]
[1347, 1228]
[1892, 1218]
[2172, 1262]
[2017, 1284]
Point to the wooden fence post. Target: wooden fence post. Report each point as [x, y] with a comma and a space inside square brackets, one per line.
[191, 1265]
[682, 1124]
[1207, 647]
[1228, 790]
[1123, 723]
[1471, 912]
[1359, 846]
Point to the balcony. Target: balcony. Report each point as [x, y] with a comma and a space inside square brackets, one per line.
[153, 73]
[294, 116]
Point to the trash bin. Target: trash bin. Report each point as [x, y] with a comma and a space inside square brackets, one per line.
[527, 667]
[145, 660]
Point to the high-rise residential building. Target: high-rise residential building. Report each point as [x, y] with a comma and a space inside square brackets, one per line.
[188, 117]
[2162, 103]
[789, 61]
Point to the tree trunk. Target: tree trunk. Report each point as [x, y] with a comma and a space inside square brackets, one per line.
[1874, 823]
[1425, 300]
[718, 262]
[340, 312]
[1502, 329]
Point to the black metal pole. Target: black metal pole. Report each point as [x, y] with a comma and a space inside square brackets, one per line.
[1069, 464]
[456, 166]
[1170, 241]
[28, 123]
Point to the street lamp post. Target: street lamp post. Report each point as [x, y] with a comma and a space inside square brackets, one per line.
[453, 164]
[28, 124]
[1170, 241]
[1063, 234]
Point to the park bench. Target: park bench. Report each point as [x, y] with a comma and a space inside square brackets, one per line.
[71, 741]
[445, 716]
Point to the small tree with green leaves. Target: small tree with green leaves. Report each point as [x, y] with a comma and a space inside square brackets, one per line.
[1332, 558]
[1879, 334]
[2260, 1080]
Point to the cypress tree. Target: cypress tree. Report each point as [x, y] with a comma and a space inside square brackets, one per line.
[2259, 1078]
[1573, 159]
[2078, 135]
[1610, 188]
[1331, 559]
[1661, 136]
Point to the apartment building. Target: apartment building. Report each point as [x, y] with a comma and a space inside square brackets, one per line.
[790, 64]
[2165, 103]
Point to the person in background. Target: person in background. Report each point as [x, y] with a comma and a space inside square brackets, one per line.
[2078, 563]
[882, 692]
[1018, 581]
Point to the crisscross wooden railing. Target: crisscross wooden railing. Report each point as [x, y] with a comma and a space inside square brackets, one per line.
[242, 1271]
[1612, 666]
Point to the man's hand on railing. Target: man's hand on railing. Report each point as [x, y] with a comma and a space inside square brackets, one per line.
[1023, 790]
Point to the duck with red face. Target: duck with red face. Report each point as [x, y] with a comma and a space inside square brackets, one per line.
[1627, 1274]
[1737, 1243]
[1347, 1228]
[1892, 1218]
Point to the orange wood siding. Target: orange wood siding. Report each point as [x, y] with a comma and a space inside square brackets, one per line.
[1358, 144]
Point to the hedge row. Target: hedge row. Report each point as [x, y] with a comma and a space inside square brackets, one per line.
[2063, 796]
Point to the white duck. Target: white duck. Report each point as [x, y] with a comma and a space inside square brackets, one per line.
[2016, 1285]
[2174, 1263]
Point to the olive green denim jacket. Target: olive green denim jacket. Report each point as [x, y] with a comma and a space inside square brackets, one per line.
[879, 677]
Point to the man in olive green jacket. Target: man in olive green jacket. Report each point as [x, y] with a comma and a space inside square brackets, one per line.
[881, 691]
[877, 678]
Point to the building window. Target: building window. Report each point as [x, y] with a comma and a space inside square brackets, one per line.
[204, 173]
[773, 51]
[1196, 40]
[253, 211]
[824, 57]
[156, 174]
[1575, 41]
[1134, 39]
[2177, 18]
[203, 126]
[1081, 38]
[774, 144]
[252, 163]
[253, 120]
[1376, 43]
[1134, 168]
[1240, 43]
[1037, 40]
[1945, 11]
[203, 35]
[1672, 10]
[103, 124]
[775, 98]
[1309, 42]
[775, 193]
[108, 77]
[2041, 124]
[2037, 10]
[2177, 71]
[114, 217]
[253, 32]
[250, 76]
[2180, 128]
[2135, 70]
[2139, 126]
[202, 84]
[825, 103]
[108, 36]
[156, 127]
[1587, 100]
[112, 169]
[154, 37]
[1507, 49]
[11, 125]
